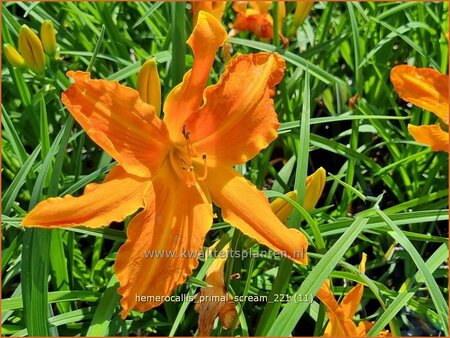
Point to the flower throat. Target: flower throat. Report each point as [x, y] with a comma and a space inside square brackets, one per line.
[186, 163]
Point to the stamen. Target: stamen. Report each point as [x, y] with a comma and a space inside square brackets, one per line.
[175, 165]
[205, 199]
[190, 149]
[190, 178]
[183, 169]
[205, 169]
[186, 133]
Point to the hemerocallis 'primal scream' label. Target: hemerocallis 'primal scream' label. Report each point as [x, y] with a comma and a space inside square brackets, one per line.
[427, 89]
[172, 170]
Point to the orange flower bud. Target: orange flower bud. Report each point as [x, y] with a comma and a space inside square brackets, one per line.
[301, 12]
[30, 47]
[281, 208]
[314, 187]
[13, 56]
[149, 85]
[48, 37]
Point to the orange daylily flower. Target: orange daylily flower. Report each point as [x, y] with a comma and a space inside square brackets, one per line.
[257, 19]
[427, 89]
[175, 168]
[341, 314]
[214, 301]
[215, 8]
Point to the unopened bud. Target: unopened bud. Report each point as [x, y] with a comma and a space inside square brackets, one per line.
[301, 12]
[314, 188]
[281, 208]
[48, 37]
[30, 47]
[149, 85]
[13, 56]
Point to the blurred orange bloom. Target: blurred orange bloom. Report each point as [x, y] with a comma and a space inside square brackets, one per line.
[257, 19]
[173, 169]
[215, 8]
[427, 89]
[341, 314]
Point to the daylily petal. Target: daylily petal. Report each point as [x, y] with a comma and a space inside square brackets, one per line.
[363, 328]
[431, 135]
[227, 315]
[338, 324]
[163, 242]
[352, 299]
[338, 327]
[205, 40]
[100, 205]
[261, 6]
[423, 87]
[326, 296]
[246, 208]
[341, 315]
[118, 121]
[231, 108]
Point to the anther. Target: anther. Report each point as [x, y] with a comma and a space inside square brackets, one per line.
[186, 133]
[205, 169]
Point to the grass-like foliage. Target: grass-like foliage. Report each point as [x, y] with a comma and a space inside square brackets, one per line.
[385, 195]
